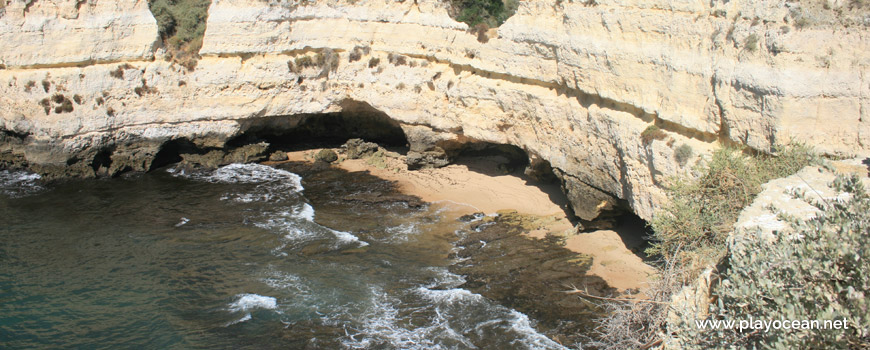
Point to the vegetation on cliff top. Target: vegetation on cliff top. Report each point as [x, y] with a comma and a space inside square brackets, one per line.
[181, 25]
[691, 230]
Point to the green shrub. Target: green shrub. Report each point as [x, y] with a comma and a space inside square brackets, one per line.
[651, 133]
[327, 60]
[821, 272]
[46, 105]
[181, 25]
[490, 12]
[63, 104]
[397, 60]
[357, 53]
[691, 229]
[374, 62]
[751, 43]
[304, 62]
[682, 154]
[144, 90]
[118, 73]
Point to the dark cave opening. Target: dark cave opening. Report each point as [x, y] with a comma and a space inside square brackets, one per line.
[306, 131]
[171, 151]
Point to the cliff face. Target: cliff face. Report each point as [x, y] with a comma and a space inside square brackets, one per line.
[47, 33]
[571, 83]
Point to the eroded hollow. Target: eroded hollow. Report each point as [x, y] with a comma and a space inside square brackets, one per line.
[357, 120]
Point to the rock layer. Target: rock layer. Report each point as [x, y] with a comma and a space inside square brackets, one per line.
[573, 84]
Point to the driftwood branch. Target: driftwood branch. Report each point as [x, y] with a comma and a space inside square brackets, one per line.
[585, 294]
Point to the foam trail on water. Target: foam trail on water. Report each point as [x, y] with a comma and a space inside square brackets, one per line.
[251, 173]
[272, 184]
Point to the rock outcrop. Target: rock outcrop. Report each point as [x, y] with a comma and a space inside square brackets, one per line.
[571, 83]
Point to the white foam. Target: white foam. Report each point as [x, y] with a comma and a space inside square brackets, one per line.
[297, 224]
[449, 296]
[444, 279]
[402, 232]
[272, 183]
[347, 237]
[530, 337]
[247, 302]
[19, 183]
[307, 212]
[381, 323]
[252, 173]
[183, 221]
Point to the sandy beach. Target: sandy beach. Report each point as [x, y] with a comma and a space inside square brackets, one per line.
[476, 185]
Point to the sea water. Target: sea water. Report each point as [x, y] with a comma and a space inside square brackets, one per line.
[242, 257]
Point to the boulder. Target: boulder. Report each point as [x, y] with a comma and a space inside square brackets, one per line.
[278, 156]
[428, 159]
[326, 155]
[357, 148]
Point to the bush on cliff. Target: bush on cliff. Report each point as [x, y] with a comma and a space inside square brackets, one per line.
[820, 271]
[692, 228]
[490, 12]
[181, 25]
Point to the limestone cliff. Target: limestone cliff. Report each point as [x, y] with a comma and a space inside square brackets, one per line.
[574, 84]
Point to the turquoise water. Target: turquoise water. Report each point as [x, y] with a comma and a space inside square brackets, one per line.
[247, 256]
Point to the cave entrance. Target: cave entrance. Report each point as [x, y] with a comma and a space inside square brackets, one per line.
[325, 130]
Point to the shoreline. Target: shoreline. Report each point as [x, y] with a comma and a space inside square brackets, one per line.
[476, 185]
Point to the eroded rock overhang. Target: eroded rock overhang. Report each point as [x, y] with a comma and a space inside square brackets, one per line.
[572, 84]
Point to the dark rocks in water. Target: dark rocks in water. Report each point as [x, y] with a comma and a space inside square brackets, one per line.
[278, 156]
[435, 158]
[210, 160]
[357, 148]
[254, 152]
[326, 155]
[377, 197]
[529, 275]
